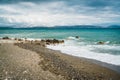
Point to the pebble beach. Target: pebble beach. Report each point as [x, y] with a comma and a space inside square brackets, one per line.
[31, 61]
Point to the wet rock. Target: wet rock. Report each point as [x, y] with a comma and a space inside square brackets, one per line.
[100, 42]
[42, 40]
[15, 39]
[77, 37]
[47, 43]
[61, 41]
[54, 41]
[20, 40]
[48, 40]
[5, 37]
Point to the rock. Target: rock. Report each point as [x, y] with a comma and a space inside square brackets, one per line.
[54, 41]
[100, 42]
[47, 43]
[5, 37]
[77, 37]
[42, 40]
[20, 40]
[62, 41]
[15, 39]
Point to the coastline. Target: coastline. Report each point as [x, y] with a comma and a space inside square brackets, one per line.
[69, 66]
[98, 62]
[104, 64]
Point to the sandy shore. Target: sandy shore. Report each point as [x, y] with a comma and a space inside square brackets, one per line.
[20, 64]
[26, 61]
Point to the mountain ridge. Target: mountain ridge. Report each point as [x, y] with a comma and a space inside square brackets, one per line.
[75, 26]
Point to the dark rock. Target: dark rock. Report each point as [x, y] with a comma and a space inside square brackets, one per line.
[5, 37]
[20, 40]
[48, 40]
[15, 39]
[62, 41]
[47, 43]
[77, 37]
[100, 42]
[42, 40]
[54, 41]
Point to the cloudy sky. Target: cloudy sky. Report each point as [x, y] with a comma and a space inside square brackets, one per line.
[59, 12]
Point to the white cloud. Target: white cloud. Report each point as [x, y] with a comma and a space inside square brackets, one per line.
[51, 14]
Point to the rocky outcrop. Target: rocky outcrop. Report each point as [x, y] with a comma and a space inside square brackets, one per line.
[42, 42]
[77, 37]
[100, 42]
[5, 37]
[52, 41]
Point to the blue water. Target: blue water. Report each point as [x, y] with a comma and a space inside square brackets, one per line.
[91, 35]
[85, 46]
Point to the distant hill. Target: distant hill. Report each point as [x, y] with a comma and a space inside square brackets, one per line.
[114, 26]
[44, 27]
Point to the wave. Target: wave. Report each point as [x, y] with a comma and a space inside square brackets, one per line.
[87, 51]
[74, 38]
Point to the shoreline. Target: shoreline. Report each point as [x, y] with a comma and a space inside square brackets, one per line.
[94, 61]
[85, 67]
[70, 67]
[113, 67]
[22, 40]
[103, 64]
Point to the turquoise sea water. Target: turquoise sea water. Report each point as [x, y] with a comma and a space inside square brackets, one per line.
[85, 46]
[91, 35]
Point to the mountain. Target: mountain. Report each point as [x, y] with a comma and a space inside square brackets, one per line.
[114, 26]
[60, 27]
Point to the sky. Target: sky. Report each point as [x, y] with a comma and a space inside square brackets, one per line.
[50, 13]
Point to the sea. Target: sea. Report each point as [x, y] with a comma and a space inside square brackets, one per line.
[85, 46]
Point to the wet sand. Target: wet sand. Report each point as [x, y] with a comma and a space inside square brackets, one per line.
[25, 61]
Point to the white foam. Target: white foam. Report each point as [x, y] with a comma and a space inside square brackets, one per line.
[71, 38]
[32, 39]
[107, 47]
[86, 51]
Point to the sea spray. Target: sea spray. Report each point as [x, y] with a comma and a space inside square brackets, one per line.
[89, 51]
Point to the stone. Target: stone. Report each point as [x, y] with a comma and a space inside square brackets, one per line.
[77, 37]
[100, 42]
[5, 37]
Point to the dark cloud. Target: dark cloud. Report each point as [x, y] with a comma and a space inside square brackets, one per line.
[94, 11]
[89, 3]
[99, 5]
[95, 3]
[15, 1]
